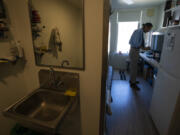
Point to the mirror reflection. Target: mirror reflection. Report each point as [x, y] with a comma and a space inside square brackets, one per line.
[57, 32]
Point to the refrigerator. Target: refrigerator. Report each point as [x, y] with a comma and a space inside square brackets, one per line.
[165, 105]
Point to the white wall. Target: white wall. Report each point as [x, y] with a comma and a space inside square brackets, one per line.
[12, 88]
[12, 84]
[113, 31]
[68, 19]
[153, 19]
[129, 15]
[160, 16]
[90, 79]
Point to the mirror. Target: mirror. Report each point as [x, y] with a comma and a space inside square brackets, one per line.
[58, 33]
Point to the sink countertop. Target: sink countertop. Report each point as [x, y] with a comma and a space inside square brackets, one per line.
[71, 124]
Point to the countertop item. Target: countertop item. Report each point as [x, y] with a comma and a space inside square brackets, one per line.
[149, 60]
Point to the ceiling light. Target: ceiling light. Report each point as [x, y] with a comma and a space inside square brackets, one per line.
[129, 2]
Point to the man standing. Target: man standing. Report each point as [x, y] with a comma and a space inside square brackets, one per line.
[137, 42]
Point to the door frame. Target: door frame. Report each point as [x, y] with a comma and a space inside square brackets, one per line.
[106, 14]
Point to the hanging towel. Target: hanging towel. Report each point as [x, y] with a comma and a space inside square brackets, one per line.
[55, 41]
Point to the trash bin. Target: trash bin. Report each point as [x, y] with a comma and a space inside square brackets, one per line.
[19, 130]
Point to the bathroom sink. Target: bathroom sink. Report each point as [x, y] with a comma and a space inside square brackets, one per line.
[41, 110]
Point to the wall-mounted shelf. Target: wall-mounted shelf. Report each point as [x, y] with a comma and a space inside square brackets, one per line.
[172, 17]
[173, 9]
[42, 50]
[2, 10]
[173, 26]
[4, 61]
[4, 28]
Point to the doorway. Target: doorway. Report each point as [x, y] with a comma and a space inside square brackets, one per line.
[126, 109]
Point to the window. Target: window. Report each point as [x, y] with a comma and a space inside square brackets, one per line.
[109, 37]
[125, 30]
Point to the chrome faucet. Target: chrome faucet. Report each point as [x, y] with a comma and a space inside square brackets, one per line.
[59, 83]
[52, 76]
[65, 61]
[55, 82]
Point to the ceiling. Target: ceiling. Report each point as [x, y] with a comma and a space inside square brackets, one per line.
[123, 4]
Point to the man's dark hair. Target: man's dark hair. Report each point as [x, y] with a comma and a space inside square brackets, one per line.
[148, 25]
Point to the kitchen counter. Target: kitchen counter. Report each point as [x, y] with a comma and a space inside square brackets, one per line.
[154, 63]
[71, 124]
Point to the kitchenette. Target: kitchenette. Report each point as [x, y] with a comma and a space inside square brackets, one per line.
[150, 59]
[157, 86]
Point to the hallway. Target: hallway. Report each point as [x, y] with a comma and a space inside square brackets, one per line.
[130, 110]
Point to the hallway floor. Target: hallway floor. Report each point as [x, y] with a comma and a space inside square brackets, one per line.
[130, 109]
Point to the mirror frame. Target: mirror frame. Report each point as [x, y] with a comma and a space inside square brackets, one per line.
[83, 38]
